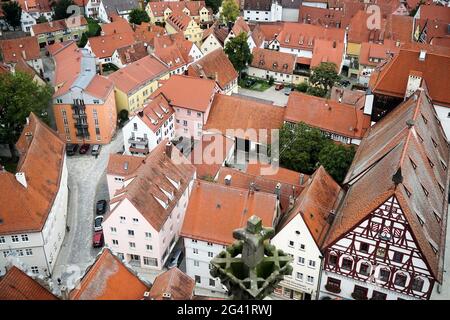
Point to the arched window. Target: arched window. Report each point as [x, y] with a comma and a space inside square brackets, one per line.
[400, 279]
[384, 274]
[364, 269]
[347, 263]
[332, 259]
[417, 284]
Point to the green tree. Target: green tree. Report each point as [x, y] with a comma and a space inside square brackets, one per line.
[13, 13]
[230, 11]
[316, 91]
[336, 159]
[302, 87]
[239, 52]
[271, 80]
[137, 16]
[214, 5]
[60, 9]
[325, 76]
[20, 95]
[300, 146]
[41, 19]
[83, 40]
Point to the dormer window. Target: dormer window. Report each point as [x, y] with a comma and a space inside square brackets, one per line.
[425, 191]
[434, 143]
[413, 164]
[441, 187]
[408, 193]
[420, 220]
[424, 119]
[430, 162]
[438, 218]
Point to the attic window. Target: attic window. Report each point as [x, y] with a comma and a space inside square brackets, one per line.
[435, 250]
[430, 162]
[424, 119]
[434, 142]
[438, 218]
[425, 190]
[441, 187]
[443, 165]
[408, 193]
[420, 220]
[420, 138]
[413, 164]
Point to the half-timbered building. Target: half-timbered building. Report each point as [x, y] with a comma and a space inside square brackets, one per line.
[387, 238]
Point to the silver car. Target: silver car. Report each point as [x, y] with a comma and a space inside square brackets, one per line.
[98, 223]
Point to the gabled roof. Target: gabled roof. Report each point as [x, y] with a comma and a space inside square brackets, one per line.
[240, 26]
[215, 211]
[392, 78]
[327, 115]
[274, 61]
[42, 155]
[132, 53]
[291, 4]
[318, 198]
[179, 21]
[147, 32]
[17, 285]
[219, 31]
[155, 113]
[157, 178]
[173, 50]
[26, 48]
[257, 36]
[271, 30]
[109, 279]
[35, 5]
[178, 90]
[172, 284]
[377, 51]
[123, 165]
[327, 51]
[403, 155]
[58, 25]
[258, 5]
[104, 46]
[117, 6]
[233, 112]
[132, 76]
[322, 16]
[215, 65]
[158, 7]
[119, 25]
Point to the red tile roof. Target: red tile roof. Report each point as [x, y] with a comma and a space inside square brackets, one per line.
[119, 25]
[146, 32]
[178, 90]
[14, 49]
[132, 53]
[42, 154]
[58, 25]
[123, 165]
[109, 279]
[158, 7]
[179, 21]
[172, 284]
[104, 46]
[403, 144]
[232, 112]
[240, 26]
[303, 36]
[327, 115]
[321, 16]
[134, 75]
[16, 285]
[382, 52]
[156, 113]
[215, 211]
[35, 5]
[157, 173]
[215, 65]
[271, 30]
[328, 51]
[392, 78]
[274, 61]
[317, 200]
[99, 87]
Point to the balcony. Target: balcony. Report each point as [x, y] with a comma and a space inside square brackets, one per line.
[81, 125]
[359, 295]
[138, 141]
[302, 72]
[333, 288]
[139, 150]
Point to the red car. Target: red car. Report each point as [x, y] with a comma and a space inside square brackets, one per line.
[278, 87]
[98, 240]
[84, 149]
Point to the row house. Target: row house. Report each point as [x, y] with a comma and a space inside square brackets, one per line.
[185, 25]
[214, 38]
[32, 10]
[238, 113]
[404, 73]
[262, 10]
[387, 240]
[135, 83]
[147, 212]
[213, 213]
[218, 67]
[34, 202]
[159, 11]
[301, 233]
[255, 38]
[51, 32]
[107, 10]
[26, 49]
[191, 111]
[149, 126]
[120, 168]
[129, 54]
[109, 278]
[18, 285]
[84, 105]
[340, 121]
[103, 47]
[176, 52]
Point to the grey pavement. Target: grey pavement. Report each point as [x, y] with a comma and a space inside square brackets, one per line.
[271, 96]
[87, 184]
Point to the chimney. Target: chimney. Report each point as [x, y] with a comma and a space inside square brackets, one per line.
[64, 293]
[278, 190]
[302, 178]
[20, 177]
[397, 178]
[169, 149]
[410, 123]
[252, 187]
[24, 55]
[414, 83]
[216, 76]
[422, 55]
[331, 216]
[228, 179]
[146, 295]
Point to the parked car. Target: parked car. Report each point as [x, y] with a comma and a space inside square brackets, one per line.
[176, 259]
[100, 207]
[344, 82]
[71, 149]
[98, 239]
[84, 149]
[95, 150]
[278, 87]
[98, 223]
[287, 91]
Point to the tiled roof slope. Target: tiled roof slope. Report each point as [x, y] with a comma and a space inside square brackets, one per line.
[174, 282]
